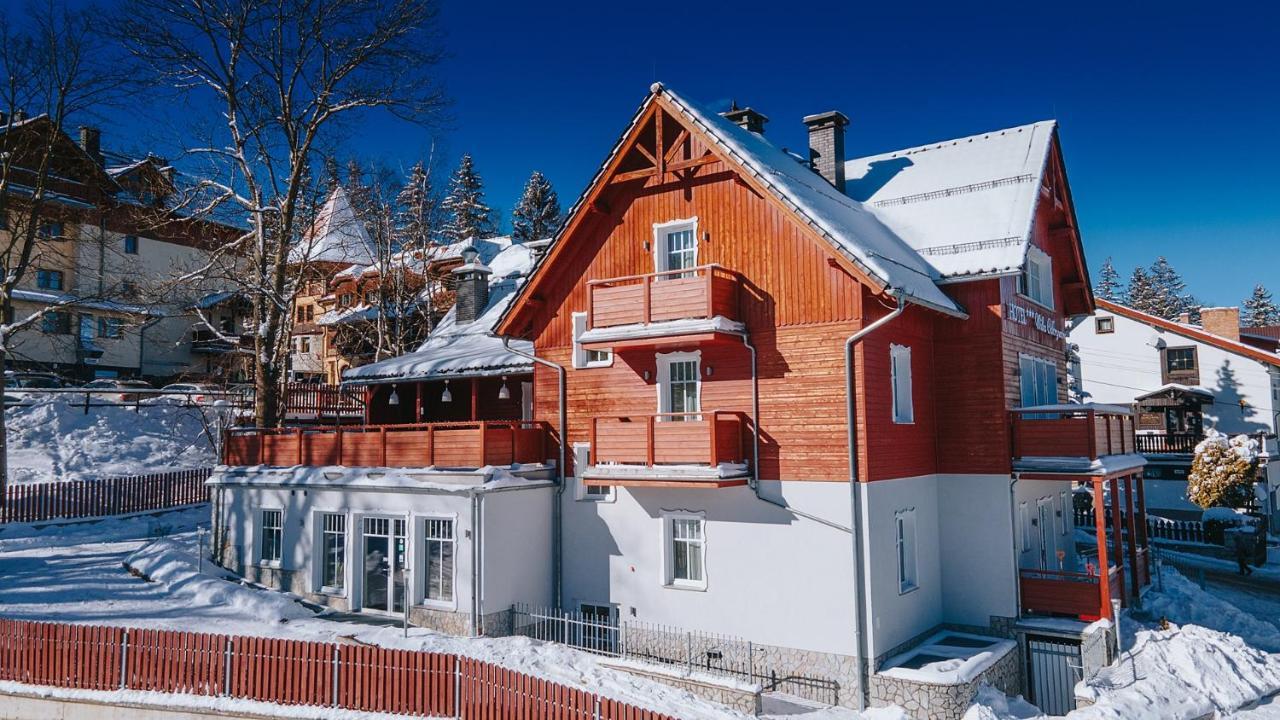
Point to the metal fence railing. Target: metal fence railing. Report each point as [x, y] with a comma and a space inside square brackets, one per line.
[603, 632]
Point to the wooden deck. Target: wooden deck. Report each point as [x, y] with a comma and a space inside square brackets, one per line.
[702, 292]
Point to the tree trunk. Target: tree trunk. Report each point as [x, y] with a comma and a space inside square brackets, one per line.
[4, 444]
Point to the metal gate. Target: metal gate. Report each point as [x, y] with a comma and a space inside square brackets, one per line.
[1053, 669]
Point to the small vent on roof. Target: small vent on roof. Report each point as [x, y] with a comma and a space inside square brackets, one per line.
[970, 246]
[948, 192]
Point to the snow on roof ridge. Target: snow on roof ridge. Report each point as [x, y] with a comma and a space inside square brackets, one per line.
[852, 227]
[942, 144]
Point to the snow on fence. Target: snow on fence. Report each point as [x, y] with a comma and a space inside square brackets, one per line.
[292, 672]
[1160, 528]
[37, 502]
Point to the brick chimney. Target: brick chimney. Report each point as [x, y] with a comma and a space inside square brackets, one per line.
[746, 118]
[1223, 322]
[91, 142]
[826, 145]
[472, 288]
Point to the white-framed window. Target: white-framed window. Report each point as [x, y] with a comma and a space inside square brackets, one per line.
[680, 385]
[333, 552]
[686, 549]
[438, 550]
[584, 489]
[904, 524]
[1036, 281]
[1024, 522]
[900, 370]
[1038, 380]
[675, 245]
[270, 536]
[582, 357]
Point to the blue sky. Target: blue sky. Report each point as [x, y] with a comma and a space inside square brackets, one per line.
[1168, 112]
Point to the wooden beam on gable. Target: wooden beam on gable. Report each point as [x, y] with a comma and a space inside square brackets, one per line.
[633, 175]
[675, 146]
[658, 146]
[695, 162]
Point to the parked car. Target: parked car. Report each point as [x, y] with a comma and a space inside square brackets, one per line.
[114, 389]
[191, 393]
[16, 382]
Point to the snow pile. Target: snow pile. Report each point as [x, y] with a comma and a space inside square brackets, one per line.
[54, 440]
[1183, 601]
[174, 564]
[991, 704]
[1186, 672]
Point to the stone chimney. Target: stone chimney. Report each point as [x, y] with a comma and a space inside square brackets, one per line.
[746, 118]
[91, 142]
[472, 290]
[826, 146]
[1223, 322]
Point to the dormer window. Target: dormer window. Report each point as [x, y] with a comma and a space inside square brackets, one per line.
[1036, 281]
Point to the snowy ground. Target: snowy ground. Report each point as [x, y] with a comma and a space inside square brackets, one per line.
[76, 574]
[54, 440]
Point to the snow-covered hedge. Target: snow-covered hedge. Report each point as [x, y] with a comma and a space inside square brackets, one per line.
[1223, 471]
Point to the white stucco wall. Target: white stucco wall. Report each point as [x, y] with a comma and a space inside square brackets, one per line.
[975, 532]
[517, 548]
[895, 616]
[1117, 367]
[772, 576]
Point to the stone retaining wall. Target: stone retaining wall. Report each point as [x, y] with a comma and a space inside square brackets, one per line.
[928, 701]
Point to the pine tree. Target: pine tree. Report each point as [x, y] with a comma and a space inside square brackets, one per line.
[1259, 309]
[360, 194]
[537, 215]
[417, 201]
[1170, 298]
[1141, 294]
[1109, 286]
[468, 215]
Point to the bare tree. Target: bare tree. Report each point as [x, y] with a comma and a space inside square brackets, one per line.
[55, 68]
[283, 75]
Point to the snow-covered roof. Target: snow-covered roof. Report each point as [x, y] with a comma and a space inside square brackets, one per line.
[848, 224]
[1199, 390]
[73, 302]
[459, 350]
[689, 326]
[1194, 332]
[337, 235]
[966, 205]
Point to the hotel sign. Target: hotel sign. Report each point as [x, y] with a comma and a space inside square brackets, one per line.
[1031, 317]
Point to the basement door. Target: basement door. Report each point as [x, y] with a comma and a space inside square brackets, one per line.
[384, 557]
[1053, 669]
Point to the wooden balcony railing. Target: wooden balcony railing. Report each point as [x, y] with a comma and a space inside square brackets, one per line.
[706, 438]
[314, 399]
[1087, 432]
[701, 292]
[1062, 592]
[1176, 443]
[445, 445]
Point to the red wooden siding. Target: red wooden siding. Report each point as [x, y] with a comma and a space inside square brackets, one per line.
[294, 672]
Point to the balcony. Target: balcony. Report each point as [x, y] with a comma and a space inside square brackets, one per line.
[1058, 592]
[705, 449]
[440, 445]
[638, 310]
[314, 401]
[1175, 443]
[1080, 440]
[211, 343]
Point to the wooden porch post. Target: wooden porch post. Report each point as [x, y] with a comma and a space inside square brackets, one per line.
[1117, 539]
[419, 390]
[1142, 511]
[1100, 532]
[1134, 576]
[475, 398]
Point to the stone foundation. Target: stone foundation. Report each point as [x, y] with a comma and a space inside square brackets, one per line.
[928, 701]
[741, 698]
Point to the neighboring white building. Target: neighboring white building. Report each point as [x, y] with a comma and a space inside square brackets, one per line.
[1181, 378]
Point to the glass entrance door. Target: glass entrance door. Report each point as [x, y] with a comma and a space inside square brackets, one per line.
[385, 550]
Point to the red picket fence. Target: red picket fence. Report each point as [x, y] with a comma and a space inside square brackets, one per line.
[292, 672]
[109, 496]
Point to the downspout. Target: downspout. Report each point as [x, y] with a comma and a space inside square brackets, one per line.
[475, 563]
[1013, 542]
[855, 490]
[755, 447]
[557, 532]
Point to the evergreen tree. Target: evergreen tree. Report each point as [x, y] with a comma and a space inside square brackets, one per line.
[360, 194]
[537, 215]
[1169, 297]
[1259, 309]
[417, 201]
[1109, 286]
[1141, 294]
[468, 215]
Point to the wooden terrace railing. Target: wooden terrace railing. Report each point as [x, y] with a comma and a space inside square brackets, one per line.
[700, 292]
[1063, 592]
[314, 399]
[1088, 432]
[702, 438]
[451, 445]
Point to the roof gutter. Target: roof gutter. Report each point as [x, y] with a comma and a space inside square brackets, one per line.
[856, 495]
[557, 532]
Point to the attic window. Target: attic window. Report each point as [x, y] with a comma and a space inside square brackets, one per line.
[1104, 325]
[1036, 281]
